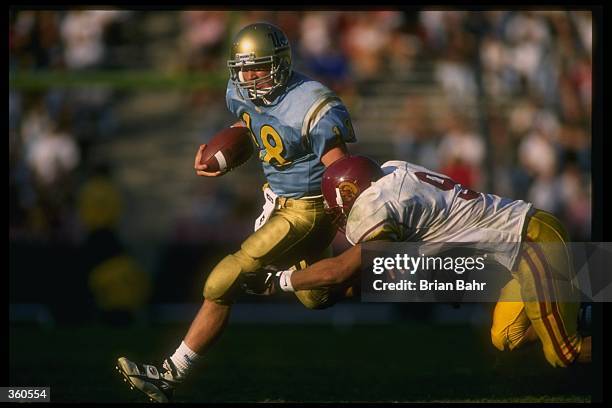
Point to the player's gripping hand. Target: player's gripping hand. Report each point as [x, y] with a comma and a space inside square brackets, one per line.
[201, 168]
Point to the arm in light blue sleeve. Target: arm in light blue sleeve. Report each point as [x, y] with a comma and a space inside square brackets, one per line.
[334, 128]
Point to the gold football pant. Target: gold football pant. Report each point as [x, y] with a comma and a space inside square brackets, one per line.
[298, 233]
[554, 322]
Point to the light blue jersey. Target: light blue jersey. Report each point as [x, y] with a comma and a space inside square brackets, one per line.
[292, 133]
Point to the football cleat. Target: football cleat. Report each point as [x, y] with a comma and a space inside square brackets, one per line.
[157, 385]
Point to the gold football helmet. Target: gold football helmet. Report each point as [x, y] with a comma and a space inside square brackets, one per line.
[260, 46]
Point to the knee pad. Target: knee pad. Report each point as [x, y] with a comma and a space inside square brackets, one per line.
[221, 285]
[313, 299]
[509, 338]
[499, 339]
[318, 299]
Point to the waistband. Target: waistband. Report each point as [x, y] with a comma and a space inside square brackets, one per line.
[301, 203]
[306, 202]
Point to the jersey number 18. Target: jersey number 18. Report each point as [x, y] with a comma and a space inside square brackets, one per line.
[272, 142]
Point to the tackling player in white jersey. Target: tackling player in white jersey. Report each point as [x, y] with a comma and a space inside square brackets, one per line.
[412, 203]
[405, 202]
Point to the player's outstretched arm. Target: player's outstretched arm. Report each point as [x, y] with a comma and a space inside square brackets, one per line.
[326, 272]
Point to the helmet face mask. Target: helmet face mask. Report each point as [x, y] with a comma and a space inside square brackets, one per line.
[338, 214]
[260, 47]
[255, 88]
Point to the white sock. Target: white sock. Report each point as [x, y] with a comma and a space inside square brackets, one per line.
[285, 281]
[184, 359]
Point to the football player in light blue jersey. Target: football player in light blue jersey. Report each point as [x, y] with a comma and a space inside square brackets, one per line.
[299, 127]
[293, 132]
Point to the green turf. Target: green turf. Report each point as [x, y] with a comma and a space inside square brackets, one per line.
[410, 362]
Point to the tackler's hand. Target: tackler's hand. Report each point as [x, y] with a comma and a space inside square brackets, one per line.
[264, 282]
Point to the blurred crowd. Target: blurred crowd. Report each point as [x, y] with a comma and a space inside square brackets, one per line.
[527, 77]
[52, 130]
[514, 117]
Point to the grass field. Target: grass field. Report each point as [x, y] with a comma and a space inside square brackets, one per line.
[289, 363]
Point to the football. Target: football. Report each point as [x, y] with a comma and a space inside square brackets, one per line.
[228, 149]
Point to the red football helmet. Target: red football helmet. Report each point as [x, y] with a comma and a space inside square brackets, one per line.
[343, 181]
